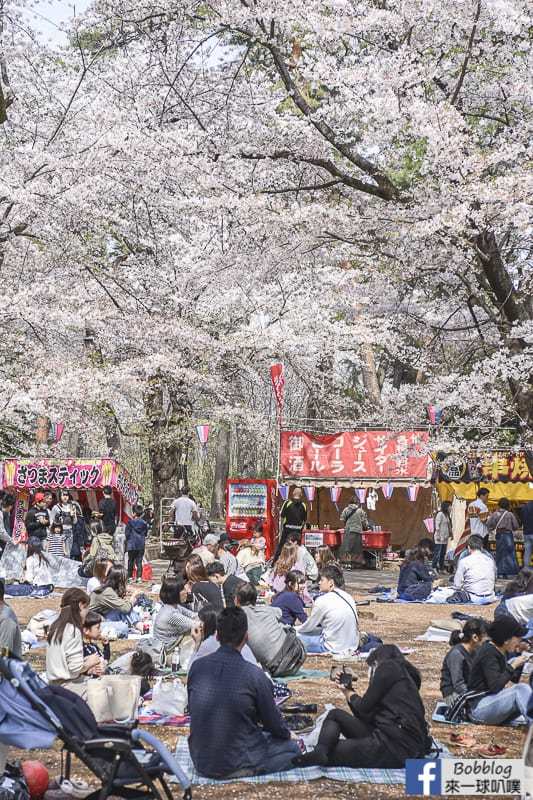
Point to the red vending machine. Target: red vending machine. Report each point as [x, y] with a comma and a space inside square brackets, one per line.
[249, 501]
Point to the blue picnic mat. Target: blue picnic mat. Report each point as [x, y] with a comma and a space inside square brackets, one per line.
[440, 709]
[297, 775]
[307, 673]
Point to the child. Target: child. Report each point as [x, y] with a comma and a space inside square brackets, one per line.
[92, 634]
[136, 532]
[458, 661]
[259, 542]
[56, 541]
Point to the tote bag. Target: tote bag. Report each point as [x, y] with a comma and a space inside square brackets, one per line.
[114, 698]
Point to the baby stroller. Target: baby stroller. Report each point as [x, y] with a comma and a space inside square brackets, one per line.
[33, 715]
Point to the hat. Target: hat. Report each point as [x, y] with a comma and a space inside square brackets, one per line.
[211, 538]
[38, 498]
[504, 628]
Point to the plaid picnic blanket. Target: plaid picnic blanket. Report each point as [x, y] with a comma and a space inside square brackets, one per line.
[297, 775]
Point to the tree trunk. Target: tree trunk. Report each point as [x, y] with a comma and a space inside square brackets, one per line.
[221, 472]
[514, 308]
[95, 355]
[369, 374]
[167, 410]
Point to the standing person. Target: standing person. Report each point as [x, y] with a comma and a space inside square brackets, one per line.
[56, 541]
[50, 501]
[333, 626]
[6, 507]
[64, 513]
[504, 523]
[526, 516]
[37, 520]
[10, 637]
[355, 522]
[136, 533]
[79, 534]
[478, 513]
[185, 511]
[231, 701]
[443, 532]
[293, 516]
[108, 509]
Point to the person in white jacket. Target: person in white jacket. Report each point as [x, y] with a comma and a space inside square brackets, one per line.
[65, 664]
[333, 626]
[37, 570]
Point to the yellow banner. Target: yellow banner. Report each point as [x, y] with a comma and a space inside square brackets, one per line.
[515, 492]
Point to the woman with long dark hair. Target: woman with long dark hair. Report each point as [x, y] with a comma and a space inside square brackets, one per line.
[203, 591]
[443, 533]
[37, 570]
[110, 599]
[386, 725]
[416, 578]
[65, 664]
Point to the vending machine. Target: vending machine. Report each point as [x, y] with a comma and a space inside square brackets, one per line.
[249, 501]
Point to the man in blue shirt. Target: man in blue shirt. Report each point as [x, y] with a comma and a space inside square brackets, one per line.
[236, 727]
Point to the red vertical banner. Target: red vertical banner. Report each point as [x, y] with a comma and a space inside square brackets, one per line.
[277, 376]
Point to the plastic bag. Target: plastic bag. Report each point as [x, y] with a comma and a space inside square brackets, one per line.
[186, 653]
[169, 697]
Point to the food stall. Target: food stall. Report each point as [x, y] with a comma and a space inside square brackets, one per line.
[389, 470]
[84, 478]
[459, 477]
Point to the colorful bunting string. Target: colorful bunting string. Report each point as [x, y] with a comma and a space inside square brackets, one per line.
[387, 490]
[310, 492]
[361, 495]
[283, 489]
[429, 522]
[412, 492]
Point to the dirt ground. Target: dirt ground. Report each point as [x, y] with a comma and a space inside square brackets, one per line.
[393, 623]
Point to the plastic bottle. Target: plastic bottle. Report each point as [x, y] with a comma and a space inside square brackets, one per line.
[176, 662]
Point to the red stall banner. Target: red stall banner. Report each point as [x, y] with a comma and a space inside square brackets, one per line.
[277, 376]
[355, 454]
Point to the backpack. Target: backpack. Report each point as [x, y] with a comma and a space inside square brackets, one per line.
[458, 711]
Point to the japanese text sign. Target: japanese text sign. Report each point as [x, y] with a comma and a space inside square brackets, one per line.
[355, 454]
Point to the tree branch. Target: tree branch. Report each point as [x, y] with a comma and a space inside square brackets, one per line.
[467, 57]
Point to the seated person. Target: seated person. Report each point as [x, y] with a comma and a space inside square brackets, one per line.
[203, 591]
[227, 559]
[275, 647]
[65, 662]
[100, 571]
[110, 599]
[517, 598]
[251, 560]
[10, 637]
[208, 549]
[205, 639]
[304, 557]
[37, 571]
[259, 542]
[416, 576]
[333, 626]
[475, 576]
[231, 701]
[491, 672]
[173, 620]
[288, 560]
[386, 725]
[92, 636]
[229, 584]
[290, 599]
[458, 661]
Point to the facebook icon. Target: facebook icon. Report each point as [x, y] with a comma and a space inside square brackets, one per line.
[422, 776]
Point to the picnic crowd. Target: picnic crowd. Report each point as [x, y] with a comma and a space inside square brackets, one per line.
[245, 624]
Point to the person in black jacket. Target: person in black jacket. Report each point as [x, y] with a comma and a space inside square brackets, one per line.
[415, 581]
[491, 672]
[108, 509]
[458, 661]
[387, 724]
[293, 516]
[37, 519]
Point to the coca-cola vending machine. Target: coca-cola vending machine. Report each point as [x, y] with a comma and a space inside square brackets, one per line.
[249, 501]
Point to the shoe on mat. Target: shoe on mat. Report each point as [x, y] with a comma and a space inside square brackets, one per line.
[492, 751]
